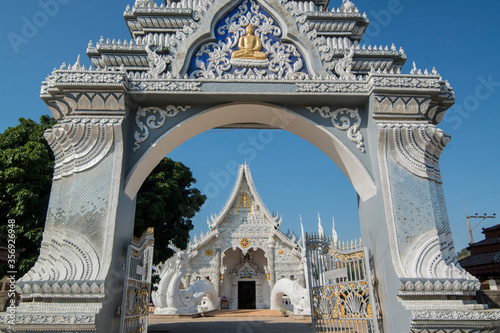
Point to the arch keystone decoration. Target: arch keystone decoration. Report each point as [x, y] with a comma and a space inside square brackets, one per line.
[303, 70]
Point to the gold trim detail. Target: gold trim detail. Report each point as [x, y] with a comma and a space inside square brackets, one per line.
[246, 203]
[245, 242]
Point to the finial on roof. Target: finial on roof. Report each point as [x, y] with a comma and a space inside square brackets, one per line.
[415, 69]
[78, 63]
[144, 3]
[334, 232]
[344, 66]
[320, 227]
[348, 7]
[302, 233]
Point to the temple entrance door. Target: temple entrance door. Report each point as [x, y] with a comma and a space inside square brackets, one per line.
[246, 295]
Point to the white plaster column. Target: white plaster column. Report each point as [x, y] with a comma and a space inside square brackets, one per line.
[218, 260]
[233, 302]
[420, 227]
[301, 278]
[271, 243]
[259, 294]
[416, 220]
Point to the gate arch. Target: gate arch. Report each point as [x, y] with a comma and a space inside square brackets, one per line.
[351, 101]
[263, 114]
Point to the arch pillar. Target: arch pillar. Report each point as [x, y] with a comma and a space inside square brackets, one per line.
[88, 227]
[425, 276]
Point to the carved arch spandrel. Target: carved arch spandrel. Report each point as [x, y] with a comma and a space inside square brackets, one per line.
[322, 138]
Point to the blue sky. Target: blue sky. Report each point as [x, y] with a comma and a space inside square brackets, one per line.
[460, 38]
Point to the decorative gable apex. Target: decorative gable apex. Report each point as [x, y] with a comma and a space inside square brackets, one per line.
[245, 199]
[246, 213]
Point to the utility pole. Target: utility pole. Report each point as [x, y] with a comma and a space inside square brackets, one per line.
[477, 216]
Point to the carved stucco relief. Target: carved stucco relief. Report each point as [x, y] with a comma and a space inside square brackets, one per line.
[145, 85]
[336, 87]
[79, 143]
[157, 64]
[429, 257]
[344, 119]
[456, 315]
[95, 103]
[92, 101]
[155, 118]
[214, 61]
[417, 148]
[63, 257]
[68, 319]
[401, 105]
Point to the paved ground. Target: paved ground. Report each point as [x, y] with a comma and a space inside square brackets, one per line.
[240, 321]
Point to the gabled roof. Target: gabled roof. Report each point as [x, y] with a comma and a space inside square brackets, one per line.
[244, 176]
[274, 221]
[481, 259]
[493, 231]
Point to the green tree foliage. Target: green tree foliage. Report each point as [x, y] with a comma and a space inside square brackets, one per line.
[167, 201]
[464, 253]
[26, 168]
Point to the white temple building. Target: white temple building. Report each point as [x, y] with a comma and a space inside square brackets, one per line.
[243, 255]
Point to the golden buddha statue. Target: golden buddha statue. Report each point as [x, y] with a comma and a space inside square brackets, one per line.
[249, 46]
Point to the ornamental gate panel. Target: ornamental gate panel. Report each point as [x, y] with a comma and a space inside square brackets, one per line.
[137, 290]
[341, 288]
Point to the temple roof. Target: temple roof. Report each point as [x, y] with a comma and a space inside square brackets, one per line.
[493, 231]
[244, 187]
[244, 177]
[483, 266]
[484, 261]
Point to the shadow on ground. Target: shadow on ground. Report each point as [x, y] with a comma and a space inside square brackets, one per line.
[216, 325]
